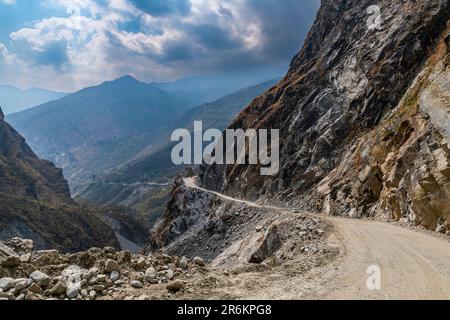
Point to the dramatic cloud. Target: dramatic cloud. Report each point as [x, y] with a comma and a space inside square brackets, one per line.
[163, 7]
[93, 40]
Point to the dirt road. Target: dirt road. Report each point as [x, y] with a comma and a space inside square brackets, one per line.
[409, 264]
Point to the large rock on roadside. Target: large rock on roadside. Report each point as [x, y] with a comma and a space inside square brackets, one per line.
[6, 284]
[267, 246]
[175, 286]
[25, 258]
[111, 266]
[183, 263]
[199, 261]
[255, 248]
[150, 274]
[72, 292]
[114, 276]
[20, 284]
[136, 284]
[35, 288]
[58, 289]
[40, 278]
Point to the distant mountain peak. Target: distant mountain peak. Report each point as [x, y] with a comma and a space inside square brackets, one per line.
[2, 116]
[127, 78]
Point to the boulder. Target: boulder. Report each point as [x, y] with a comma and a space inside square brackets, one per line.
[92, 272]
[84, 293]
[25, 258]
[199, 261]
[6, 284]
[47, 257]
[58, 289]
[72, 292]
[40, 278]
[136, 284]
[34, 288]
[114, 276]
[267, 245]
[20, 246]
[20, 284]
[175, 286]
[21, 297]
[140, 263]
[6, 296]
[111, 266]
[150, 274]
[98, 288]
[101, 278]
[183, 263]
[170, 274]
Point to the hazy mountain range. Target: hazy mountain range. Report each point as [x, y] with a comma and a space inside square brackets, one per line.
[198, 90]
[13, 99]
[97, 129]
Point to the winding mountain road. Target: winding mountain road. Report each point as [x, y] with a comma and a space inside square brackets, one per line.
[411, 265]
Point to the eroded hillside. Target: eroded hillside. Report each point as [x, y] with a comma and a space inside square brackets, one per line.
[35, 201]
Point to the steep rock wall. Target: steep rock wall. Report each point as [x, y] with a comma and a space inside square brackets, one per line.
[334, 106]
[401, 169]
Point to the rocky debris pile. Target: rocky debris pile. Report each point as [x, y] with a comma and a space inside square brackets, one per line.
[284, 238]
[230, 233]
[102, 274]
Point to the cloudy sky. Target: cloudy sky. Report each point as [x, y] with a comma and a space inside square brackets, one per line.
[70, 44]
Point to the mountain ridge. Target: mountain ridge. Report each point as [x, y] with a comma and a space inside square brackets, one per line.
[93, 130]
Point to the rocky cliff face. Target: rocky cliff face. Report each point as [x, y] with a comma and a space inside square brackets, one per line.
[22, 173]
[400, 169]
[363, 116]
[35, 201]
